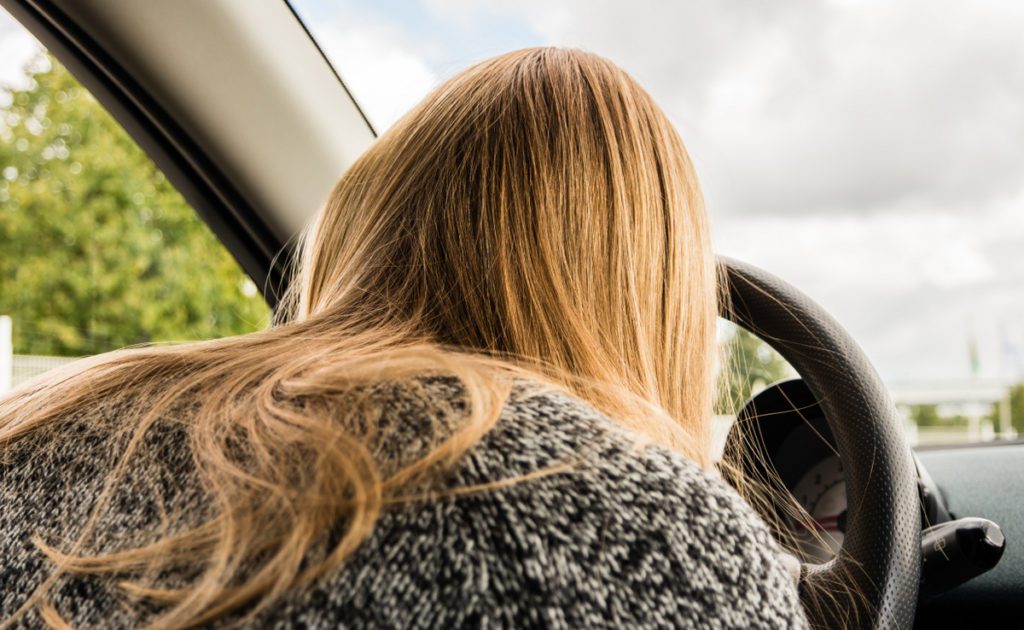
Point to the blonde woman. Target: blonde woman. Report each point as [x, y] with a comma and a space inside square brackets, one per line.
[486, 404]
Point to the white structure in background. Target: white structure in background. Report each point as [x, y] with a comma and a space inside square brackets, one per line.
[974, 399]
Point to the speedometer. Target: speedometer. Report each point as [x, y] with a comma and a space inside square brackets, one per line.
[781, 437]
[822, 492]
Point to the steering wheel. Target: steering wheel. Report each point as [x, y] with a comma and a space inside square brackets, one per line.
[880, 558]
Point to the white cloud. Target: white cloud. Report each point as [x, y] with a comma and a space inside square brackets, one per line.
[378, 66]
[809, 106]
[912, 284]
[17, 47]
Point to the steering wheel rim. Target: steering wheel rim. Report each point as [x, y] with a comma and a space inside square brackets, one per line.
[880, 557]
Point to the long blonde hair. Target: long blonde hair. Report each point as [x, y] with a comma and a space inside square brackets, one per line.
[535, 217]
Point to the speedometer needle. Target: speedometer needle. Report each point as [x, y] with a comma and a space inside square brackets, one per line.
[828, 523]
[825, 523]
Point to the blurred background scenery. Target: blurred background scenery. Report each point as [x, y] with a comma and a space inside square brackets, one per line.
[871, 153]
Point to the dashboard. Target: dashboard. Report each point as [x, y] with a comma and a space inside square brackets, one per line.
[782, 439]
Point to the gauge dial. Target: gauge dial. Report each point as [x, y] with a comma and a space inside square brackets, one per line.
[822, 492]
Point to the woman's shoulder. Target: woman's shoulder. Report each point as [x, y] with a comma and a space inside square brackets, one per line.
[558, 518]
[687, 549]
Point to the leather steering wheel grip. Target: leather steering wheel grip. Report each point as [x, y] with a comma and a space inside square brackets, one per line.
[879, 563]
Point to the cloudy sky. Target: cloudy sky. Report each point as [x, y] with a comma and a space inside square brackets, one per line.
[870, 152]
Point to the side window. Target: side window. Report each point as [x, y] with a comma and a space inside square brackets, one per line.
[97, 250]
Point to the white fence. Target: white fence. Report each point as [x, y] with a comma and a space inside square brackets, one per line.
[26, 366]
[18, 368]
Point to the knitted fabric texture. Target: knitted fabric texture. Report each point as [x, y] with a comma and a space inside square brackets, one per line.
[628, 537]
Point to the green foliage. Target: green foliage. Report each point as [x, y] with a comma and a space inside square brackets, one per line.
[1016, 409]
[929, 416]
[751, 365]
[925, 415]
[97, 249]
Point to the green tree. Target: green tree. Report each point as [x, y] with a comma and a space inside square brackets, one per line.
[750, 366]
[925, 415]
[1016, 409]
[97, 249]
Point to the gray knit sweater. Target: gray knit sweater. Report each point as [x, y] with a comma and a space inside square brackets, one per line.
[625, 539]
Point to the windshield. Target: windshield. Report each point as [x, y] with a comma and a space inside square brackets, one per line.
[868, 152]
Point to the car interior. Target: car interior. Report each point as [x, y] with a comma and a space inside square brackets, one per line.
[253, 136]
